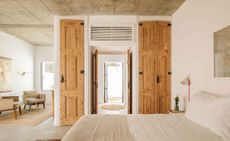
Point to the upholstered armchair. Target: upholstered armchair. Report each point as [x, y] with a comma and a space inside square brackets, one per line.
[33, 98]
[7, 105]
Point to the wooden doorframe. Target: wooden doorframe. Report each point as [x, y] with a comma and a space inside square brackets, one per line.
[94, 72]
[129, 63]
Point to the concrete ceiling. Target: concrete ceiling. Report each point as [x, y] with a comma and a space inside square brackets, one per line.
[32, 20]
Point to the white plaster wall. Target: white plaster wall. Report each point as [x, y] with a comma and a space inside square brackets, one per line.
[42, 54]
[22, 55]
[121, 46]
[101, 60]
[193, 26]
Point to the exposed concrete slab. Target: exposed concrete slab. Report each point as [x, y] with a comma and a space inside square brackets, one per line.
[40, 14]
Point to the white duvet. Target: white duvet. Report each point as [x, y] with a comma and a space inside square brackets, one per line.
[138, 128]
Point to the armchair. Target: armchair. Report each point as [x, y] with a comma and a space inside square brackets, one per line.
[7, 105]
[33, 98]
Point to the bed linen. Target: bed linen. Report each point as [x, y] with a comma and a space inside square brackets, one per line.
[160, 127]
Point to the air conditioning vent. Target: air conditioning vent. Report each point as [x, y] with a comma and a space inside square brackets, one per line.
[111, 33]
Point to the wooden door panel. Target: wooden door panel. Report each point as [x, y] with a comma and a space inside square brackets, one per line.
[72, 67]
[95, 82]
[147, 104]
[72, 71]
[162, 72]
[129, 58]
[62, 107]
[154, 65]
[147, 36]
[162, 67]
[146, 68]
[72, 107]
[163, 104]
[148, 75]
[96, 79]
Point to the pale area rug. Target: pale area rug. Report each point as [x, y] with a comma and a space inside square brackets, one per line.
[33, 117]
[112, 107]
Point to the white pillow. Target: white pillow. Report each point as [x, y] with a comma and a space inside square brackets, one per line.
[212, 112]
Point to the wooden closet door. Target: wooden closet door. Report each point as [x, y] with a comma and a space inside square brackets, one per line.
[147, 93]
[163, 51]
[72, 71]
[154, 66]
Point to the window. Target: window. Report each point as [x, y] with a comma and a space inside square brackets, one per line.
[47, 75]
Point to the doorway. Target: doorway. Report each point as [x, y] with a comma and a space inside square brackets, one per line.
[113, 82]
[110, 83]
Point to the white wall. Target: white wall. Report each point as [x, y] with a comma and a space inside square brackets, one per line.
[101, 60]
[193, 26]
[121, 46]
[42, 54]
[22, 55]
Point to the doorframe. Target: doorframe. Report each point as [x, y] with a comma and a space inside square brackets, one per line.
[124, 81]
[124, 89]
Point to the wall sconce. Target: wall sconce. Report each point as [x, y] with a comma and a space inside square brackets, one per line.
[23, 73]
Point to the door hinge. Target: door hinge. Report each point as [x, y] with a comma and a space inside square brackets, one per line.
[140, 24]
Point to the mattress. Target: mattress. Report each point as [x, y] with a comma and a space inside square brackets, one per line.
[160, 127]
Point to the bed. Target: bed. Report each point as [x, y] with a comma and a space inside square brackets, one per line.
[158, 127]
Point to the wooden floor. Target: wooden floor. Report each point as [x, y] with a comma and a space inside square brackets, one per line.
[42, 131]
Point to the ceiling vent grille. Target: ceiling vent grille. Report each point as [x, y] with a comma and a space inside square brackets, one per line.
[111, 33]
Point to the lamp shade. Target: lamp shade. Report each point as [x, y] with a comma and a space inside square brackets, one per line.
[185, 81]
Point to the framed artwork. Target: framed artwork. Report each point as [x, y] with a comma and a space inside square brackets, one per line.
[222, 52]
[5, 74]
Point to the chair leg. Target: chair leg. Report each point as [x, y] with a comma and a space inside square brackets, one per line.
[20, 110]
[30, 107]
[44, 105]
[15, 113]
[24, 107]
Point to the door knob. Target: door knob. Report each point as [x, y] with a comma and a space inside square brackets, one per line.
[158, 79]
[62, 78]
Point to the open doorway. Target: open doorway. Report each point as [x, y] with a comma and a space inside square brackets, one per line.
[113, 82]
[111, 77]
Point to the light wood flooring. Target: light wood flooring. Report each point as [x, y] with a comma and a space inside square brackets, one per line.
[44, 130]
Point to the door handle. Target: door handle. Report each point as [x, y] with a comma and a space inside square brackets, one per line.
[158, 79]
[62, 78]
[82, 71]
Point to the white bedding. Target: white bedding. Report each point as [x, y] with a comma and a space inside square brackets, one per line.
[138, 128]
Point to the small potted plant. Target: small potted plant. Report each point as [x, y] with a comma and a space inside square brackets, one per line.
[176, 103]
